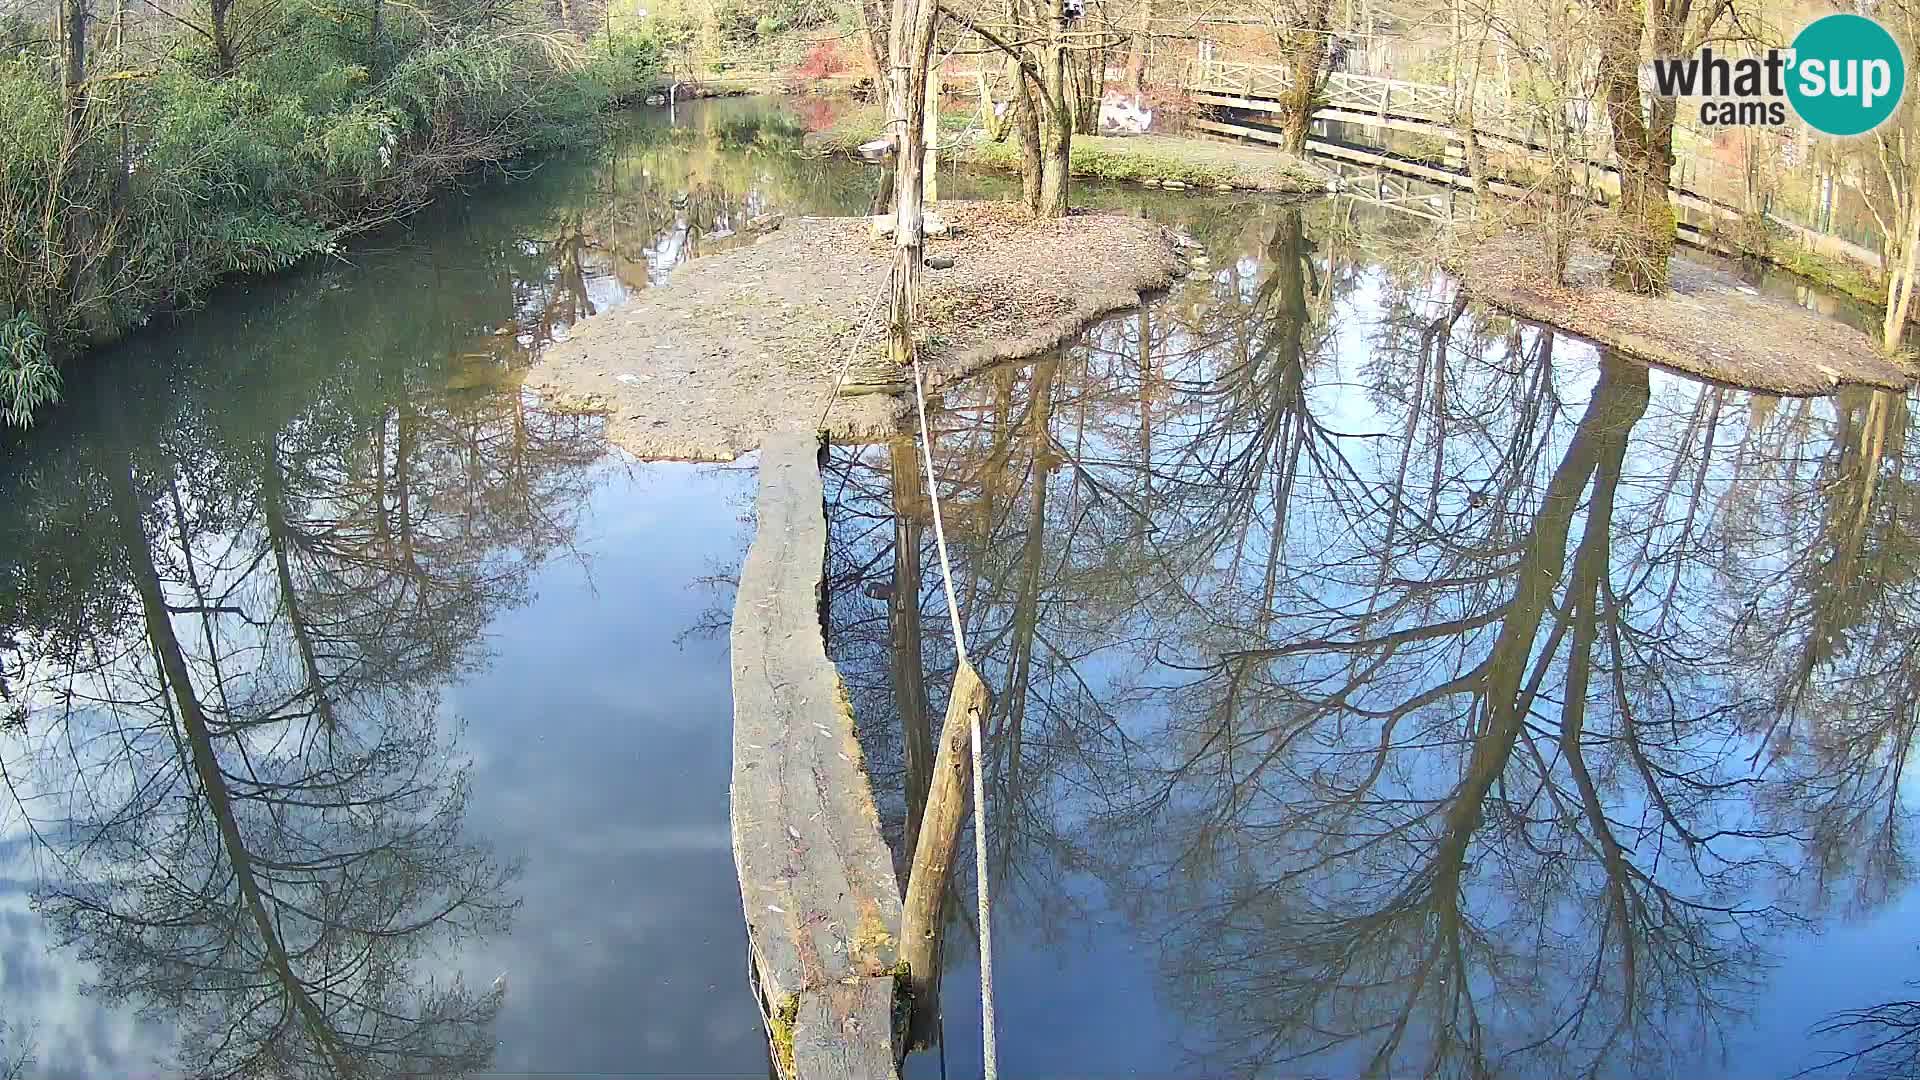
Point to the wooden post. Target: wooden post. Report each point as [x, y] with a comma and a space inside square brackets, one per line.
[932, 870]
[910, 44]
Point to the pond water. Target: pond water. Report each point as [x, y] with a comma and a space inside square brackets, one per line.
[1384, 684]
[1391, 688]
[361, 714]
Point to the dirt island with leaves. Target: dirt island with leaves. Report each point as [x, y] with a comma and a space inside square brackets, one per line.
[766, 335]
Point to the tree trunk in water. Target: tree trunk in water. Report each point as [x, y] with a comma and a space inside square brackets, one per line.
[273, 498]
[947, 808]
[903, 625]
[172, 662]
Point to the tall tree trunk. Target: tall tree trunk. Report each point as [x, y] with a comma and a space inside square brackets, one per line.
[1643, 153]
[709, 29]
[873, 37]
[930, 130]
[1305, 47]
[75, 15]
[1056, 148]
[1137, 56]
[1026, 128]
[1055, 113]
[377, 37]
[1893, 327]
[217, 11]
[1645, 221]
[909, 46]
[1463, 112]
[1087, 83]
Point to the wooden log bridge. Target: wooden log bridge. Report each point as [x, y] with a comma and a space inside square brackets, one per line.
[816, 879]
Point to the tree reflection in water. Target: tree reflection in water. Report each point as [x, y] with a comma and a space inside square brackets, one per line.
[231, 749]
[1453, 701]
[232, 598]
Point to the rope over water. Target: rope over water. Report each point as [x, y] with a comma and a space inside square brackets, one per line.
[982, 899]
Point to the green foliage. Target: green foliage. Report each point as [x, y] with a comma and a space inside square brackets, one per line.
[1159, 161]
[626, 65]
[171, 175]
[752, 21]
[1840, 275]
[865, 123]
[28, 378]
[776, 131]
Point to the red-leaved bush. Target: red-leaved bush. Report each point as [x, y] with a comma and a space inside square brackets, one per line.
[822, 61]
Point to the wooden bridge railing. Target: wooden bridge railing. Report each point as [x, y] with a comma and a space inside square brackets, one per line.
[1244, 79]
[1430, 108]
[1344, 90]
[1373, 94]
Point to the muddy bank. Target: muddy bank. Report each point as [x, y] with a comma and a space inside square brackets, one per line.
[1709, 323]
[750, 341]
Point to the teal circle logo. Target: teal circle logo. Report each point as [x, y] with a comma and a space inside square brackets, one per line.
[1847, 75]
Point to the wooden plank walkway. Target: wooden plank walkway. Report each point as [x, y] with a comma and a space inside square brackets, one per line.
[816, 878]
[1427, 109]
[1396, 194]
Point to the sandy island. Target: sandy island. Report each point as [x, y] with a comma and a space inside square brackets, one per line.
[752, 340]
[1709, 323]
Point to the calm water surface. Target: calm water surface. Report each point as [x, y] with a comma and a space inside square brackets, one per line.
[1394, 689]
[1387, 687]
[362, 715]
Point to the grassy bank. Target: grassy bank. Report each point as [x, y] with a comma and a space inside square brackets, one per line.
[1843, 276]
[1147, 159]
[172, 166]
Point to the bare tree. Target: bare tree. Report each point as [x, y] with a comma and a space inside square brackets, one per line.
[1629, 33]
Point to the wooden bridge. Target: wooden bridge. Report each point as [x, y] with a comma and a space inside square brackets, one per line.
[1243, 92]
[1423, 108]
